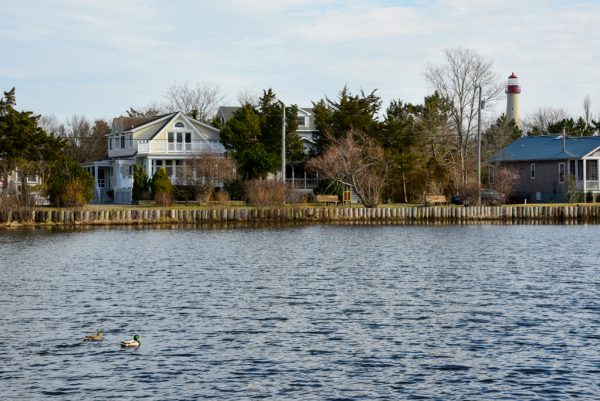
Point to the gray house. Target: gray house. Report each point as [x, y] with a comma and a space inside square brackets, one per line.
[550, 166]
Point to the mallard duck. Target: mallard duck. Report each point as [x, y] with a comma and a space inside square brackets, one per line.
[97, 337]
[131, 343]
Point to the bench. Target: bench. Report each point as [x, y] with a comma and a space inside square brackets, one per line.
[435, 200]
[327, 199]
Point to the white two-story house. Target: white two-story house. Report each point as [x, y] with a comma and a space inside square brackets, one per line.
[150, 142]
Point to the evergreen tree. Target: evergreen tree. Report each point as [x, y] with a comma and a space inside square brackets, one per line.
[162, 189]
[334, 118]
[253, 136]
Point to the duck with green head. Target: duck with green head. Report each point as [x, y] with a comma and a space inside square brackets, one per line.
[131, 343]
[98, 337]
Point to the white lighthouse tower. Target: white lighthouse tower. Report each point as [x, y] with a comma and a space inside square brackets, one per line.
[512, 99]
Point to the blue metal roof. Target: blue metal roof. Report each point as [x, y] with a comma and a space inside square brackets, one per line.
[548, 148]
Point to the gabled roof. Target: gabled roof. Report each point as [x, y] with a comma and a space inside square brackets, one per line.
[226, 113]
[548, 147]
[129, 123]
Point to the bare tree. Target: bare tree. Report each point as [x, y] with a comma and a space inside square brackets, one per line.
[587, 110]
[150, 110]
[206, 171]
[458, 81]
[356, 161]
[199, 101]
[51, 125]
[537, 122]
[87, 142]
[504, 179]
[247, 97]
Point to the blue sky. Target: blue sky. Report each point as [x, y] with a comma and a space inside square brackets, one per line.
[100, 57]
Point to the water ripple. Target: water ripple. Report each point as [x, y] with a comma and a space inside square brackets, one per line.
[302, 313]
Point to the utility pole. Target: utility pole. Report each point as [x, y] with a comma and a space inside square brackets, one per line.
[283, 143]
[479, 148]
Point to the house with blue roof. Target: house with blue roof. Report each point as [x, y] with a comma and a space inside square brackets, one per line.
[551, 166]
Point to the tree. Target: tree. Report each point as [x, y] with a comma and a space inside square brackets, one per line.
[253, 136]
[141, 183]
[357, 113]
[587, 110]
[357, 162]
[86, 142]
[398, 137]
[23, 143]
[571, 127]
[499, 135]
[537, 123]
[199, 101]
[68, 184]
[458, 82]
[161, 186]
[206, 171]
[150, 110]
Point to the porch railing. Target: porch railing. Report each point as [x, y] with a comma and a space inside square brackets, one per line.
[307, 183]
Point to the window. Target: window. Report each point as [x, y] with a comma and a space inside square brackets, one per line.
[179, 125]
[301, 121]
[580, 170]
[561, 172]
[122, 141]
[130, 141]
[591, 170]
[171, 140]
[110, 143]
[175, 141]
[532, 170]
[572, 168]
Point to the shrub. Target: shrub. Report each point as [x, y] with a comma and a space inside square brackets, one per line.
[265, 192]
[140, 183]
[161, 186]
[68, 184]
[221, 196]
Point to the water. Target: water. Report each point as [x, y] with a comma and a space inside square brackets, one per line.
[300, 313]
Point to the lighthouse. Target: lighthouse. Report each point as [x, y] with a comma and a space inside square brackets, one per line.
[512, 99]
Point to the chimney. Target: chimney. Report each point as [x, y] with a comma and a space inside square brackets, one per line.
[194, 114]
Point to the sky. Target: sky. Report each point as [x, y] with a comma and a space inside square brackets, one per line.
[98, 58]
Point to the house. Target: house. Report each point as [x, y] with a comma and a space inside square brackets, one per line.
[167, 141]
[550, 167]
[296, 174]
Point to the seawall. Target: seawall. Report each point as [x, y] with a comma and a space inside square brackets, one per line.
[523, 213]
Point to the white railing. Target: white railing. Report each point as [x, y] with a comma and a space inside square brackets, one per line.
[592, 185]
[143, 147]
[179, 147]
[302, 182]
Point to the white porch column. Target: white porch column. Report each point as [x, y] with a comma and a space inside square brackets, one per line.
[149, 167]
[584, 178]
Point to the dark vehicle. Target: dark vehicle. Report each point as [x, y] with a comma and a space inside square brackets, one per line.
[491, 197]
[459, 200]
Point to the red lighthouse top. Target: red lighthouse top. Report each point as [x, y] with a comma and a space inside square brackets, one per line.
[513, 84]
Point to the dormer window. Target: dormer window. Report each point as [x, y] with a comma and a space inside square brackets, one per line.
[301, 121]
[179, 125]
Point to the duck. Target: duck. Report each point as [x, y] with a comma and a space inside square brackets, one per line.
[131, 343]
[98, 337]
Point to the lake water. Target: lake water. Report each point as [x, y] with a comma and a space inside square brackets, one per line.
[316, 312]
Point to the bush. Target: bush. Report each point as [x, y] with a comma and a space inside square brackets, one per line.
[162, 189]
[140, 183]
[68, 184]
[14, 206]
[235, 188]
[221, 196]
[265, 192]
[184, 193]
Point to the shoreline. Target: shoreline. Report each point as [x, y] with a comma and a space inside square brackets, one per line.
[425, 214]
